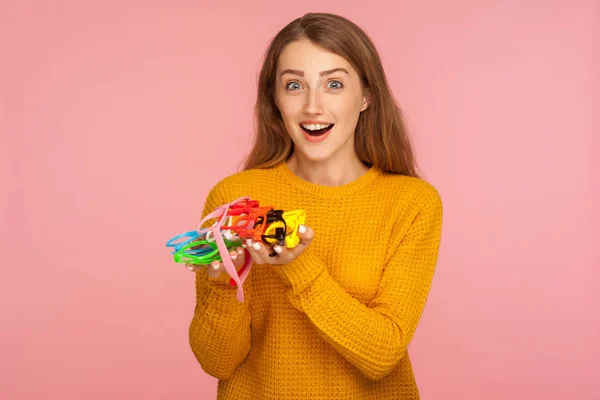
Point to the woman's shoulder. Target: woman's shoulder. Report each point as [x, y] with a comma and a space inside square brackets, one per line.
[242, 181]
[408, 192]
[408, 185]
[242, 177]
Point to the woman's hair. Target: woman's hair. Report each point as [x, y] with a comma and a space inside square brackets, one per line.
[381, 137]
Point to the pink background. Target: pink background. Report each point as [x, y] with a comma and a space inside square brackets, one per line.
[116, 118]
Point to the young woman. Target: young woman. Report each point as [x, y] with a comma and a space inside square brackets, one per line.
[332, 317]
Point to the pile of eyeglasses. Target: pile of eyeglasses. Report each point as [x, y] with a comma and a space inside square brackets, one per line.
[237, 221]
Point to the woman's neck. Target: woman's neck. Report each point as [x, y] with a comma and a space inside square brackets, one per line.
[329, 172]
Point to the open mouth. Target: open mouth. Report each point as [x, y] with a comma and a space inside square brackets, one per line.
[317, 132]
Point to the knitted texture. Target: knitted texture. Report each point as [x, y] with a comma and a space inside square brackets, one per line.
[335, 323]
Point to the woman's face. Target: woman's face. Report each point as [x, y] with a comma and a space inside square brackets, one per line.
[320, 97]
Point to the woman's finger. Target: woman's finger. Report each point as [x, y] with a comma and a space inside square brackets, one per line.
[191, 267]
[266, 253]
[306, 236]
[257, 251]
[283, 255]
[238, 257]
[214, 269]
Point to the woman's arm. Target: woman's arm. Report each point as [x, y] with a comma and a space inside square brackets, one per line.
[372, 337]
[219, 333]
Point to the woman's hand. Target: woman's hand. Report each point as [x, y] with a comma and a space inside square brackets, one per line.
[238, 256]
[261, 252]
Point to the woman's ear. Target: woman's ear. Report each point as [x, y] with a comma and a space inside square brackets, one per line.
[366, 100]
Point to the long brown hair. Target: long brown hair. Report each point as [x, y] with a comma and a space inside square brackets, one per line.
[381, 137]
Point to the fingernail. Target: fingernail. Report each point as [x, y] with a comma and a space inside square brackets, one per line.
[215, 266]
[302, 229]
[256, 246]
[190, 267]
[249, 242]
[240, 251]
[278, 249]
[233, 256]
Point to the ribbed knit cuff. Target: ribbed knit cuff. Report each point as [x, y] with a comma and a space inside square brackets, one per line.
[221, 280]
[299, 273]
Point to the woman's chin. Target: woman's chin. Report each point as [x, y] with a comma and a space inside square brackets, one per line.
[316, 156]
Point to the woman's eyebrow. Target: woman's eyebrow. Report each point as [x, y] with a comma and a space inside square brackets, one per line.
[322, 73]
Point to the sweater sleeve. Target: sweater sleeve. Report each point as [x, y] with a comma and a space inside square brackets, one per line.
[373, 337]
[219, 333]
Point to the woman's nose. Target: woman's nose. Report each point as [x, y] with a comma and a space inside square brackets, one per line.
[314, 103]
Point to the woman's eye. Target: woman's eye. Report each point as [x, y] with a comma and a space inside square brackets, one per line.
[292, 86]
[336, 85]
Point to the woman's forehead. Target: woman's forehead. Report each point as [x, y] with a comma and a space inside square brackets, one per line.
[310, 60]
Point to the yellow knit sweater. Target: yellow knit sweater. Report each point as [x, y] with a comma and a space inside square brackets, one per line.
[335, 323]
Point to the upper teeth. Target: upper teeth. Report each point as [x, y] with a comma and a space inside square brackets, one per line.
[314, 127]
